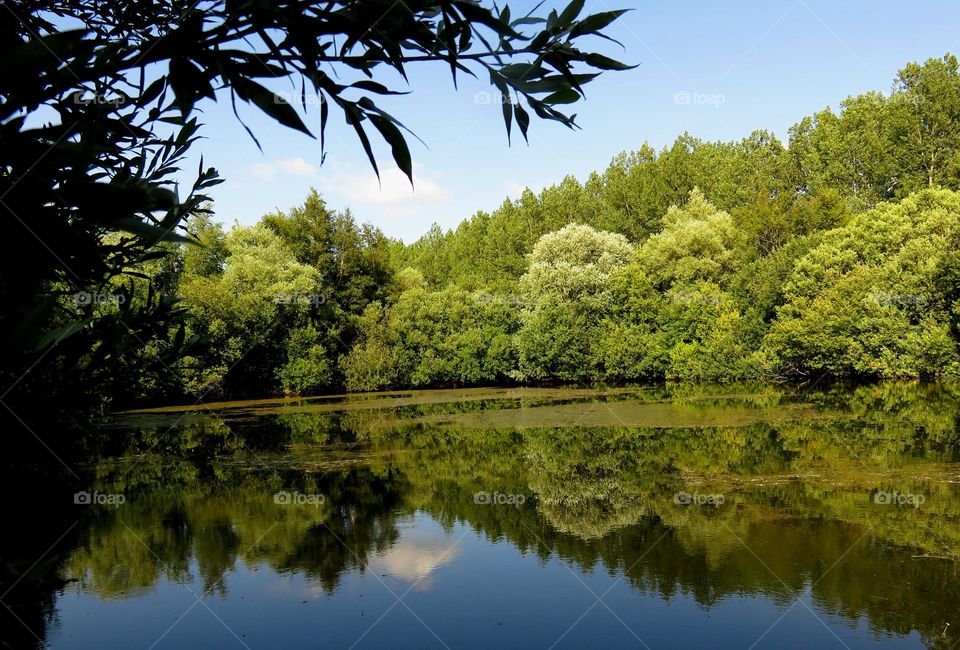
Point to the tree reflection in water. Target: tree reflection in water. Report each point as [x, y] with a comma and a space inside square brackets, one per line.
[799, 498]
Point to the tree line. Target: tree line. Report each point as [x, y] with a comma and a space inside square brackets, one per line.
[833, 254]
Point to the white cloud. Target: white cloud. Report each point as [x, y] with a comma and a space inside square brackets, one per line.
[393, 189]
[414, 560]
[289, 167]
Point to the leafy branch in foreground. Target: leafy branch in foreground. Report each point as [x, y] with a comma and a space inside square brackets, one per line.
[214, 45]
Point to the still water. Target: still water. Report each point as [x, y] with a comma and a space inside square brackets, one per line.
[677, 517]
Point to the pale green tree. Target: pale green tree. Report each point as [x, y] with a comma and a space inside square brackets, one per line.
[574, 262]
[567, 292]
[261, 293]
[697, 244]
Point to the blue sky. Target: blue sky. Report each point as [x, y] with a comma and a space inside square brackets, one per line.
[715, 70]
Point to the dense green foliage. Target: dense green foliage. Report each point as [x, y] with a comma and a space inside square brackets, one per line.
[706, 261]
[832, 255]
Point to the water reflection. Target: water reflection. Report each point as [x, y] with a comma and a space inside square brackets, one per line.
[836, 510]
[420, 550]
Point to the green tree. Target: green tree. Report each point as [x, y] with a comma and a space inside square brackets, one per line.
[876, 297]
[566, 291]
[676, 316]
[926, 105]
[698, 243]
[262, 292]
[447, 337]
[308, 367]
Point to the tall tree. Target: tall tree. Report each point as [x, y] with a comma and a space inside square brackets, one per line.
[926, 102]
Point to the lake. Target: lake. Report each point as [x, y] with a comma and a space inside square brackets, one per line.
[649, 517]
